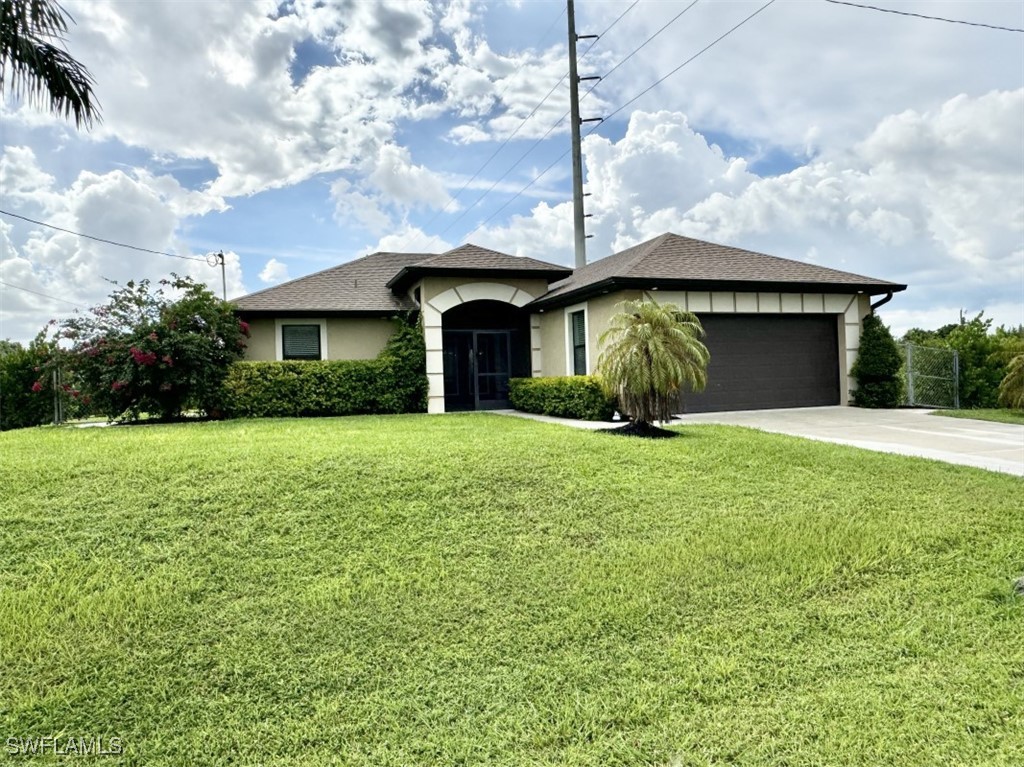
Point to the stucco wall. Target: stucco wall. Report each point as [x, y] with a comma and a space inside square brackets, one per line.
[261, 345]
[552, 342]
[347, 338]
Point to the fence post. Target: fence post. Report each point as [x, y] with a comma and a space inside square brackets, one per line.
[910, 375]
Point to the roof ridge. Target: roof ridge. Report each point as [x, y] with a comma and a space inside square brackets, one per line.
[336, 267]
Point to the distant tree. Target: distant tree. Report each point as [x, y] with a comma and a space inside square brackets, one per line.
[981, 369]
[877, 367]
[26, 392]
[145, 352]
[35, 65]
[652, 352]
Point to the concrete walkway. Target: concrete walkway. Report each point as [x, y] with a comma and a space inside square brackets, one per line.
[985, 445]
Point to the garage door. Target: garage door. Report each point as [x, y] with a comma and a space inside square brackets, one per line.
[768, 361]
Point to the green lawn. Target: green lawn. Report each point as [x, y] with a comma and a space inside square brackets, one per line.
[997, 414]
[483, 590]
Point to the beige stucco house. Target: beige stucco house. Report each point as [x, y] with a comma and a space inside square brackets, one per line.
[781, 333]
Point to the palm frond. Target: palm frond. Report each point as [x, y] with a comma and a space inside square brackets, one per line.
[651, 352]
[34, 65]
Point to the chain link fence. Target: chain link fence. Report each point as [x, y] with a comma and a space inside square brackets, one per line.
[931, 377]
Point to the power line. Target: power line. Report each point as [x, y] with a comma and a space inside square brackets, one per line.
[640, 47]
[707, 47]
[556, 123]
[36, 292]
[513, 134]
[100, 239]
[619, 109]
[923, 16]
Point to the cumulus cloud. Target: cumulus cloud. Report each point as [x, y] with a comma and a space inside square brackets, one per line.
[274, 272]
[908, 203]
[138, 209]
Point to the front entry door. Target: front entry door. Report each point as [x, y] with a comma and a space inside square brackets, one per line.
[477, 365]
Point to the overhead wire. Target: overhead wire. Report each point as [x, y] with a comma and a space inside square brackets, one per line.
[508, 84]
[558, 122]
[617, 111]
[924, 16]
[103, 240]
[36, 292]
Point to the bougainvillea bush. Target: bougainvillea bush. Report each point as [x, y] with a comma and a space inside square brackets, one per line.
[150, 352]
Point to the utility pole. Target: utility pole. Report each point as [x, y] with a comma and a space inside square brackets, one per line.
[578, 216]
[218, 258]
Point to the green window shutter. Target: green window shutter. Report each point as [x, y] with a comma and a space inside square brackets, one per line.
[300, 342]
[579, 343]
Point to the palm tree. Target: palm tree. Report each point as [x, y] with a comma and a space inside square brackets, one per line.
[34, 64]
[651, 351]
[1011, 389]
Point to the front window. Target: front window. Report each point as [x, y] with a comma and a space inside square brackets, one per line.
[300, 342]
[578, 327]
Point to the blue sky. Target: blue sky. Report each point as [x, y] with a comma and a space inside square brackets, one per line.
[298, 136]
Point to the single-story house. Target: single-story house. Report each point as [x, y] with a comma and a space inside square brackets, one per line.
[781, 333]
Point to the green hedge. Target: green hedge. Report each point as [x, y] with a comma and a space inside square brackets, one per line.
[567, 397]
[395, 382]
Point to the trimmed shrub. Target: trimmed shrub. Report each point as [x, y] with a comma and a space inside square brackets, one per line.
[877, 367]
[394, 382]
[291, 389]
[566, 397]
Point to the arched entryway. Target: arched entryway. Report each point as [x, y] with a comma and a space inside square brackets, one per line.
[485, 343]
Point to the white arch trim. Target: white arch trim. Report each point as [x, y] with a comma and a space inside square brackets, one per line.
[432, 325]
[480, 291]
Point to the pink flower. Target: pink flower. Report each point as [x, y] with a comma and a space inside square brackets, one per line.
[143, 358]
[152, 336]
[168, 361]
[244, 327]
[37, 387]
[118, 385]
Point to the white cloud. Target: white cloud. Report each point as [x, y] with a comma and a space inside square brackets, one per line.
[274, 272]
[409, 239]
[138, 209]
[909, 204]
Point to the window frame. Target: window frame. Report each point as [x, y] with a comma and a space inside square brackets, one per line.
[281, 324]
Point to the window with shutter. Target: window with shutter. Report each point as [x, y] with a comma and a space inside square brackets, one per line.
[300, 342]
[579, 343]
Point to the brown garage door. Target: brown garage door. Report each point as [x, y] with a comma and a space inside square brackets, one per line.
[768, 361]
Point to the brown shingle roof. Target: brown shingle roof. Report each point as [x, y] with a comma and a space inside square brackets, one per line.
[357, 286]
[472, 258]
[673, 261]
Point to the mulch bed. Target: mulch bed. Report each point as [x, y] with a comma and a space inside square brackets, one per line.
[643, 430]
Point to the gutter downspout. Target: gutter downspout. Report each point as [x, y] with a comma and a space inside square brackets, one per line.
[887, 299]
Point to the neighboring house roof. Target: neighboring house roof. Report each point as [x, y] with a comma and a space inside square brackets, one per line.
[359, 286]
[673, 262]
[378, 284]
[472, 259]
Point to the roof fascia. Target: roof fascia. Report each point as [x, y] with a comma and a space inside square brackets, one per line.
[739, 286]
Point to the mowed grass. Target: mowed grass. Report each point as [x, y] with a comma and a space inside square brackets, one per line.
[997, 414]
[484, 590]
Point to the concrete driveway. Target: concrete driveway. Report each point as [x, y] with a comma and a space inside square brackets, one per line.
[993, 446]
